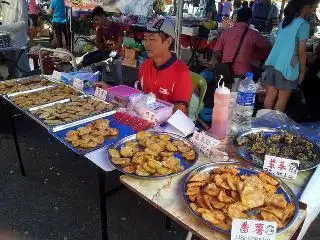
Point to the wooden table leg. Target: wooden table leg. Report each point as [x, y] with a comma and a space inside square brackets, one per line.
[103, 206]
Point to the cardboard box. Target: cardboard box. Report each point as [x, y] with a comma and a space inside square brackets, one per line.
[130, 53]
[129, 62]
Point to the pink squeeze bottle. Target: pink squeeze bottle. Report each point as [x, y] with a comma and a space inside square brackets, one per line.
[220, 112]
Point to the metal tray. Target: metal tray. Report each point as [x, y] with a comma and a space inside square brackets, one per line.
[66, 125]
[258, 161]
[244, 170]
[124, 131]
[38, 88]
[186, 164]
[42, 104]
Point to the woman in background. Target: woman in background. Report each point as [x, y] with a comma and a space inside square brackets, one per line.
[287, 60]
[227, 8]
[236, 7]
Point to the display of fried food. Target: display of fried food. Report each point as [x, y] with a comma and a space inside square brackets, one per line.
[14, 86]
[284, 144]
[92, 135]
[78, 108]
[221, 195]
[150, 155]
[45, 96]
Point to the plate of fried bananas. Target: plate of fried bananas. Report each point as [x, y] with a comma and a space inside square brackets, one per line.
[216, 193]
[153, 155]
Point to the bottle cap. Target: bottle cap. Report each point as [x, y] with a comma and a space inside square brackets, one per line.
[249, 75]
[222, 89]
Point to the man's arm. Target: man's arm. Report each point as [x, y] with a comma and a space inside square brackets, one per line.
[263, 47]
[302, 54]
[182, 107]
[51, 7]
[218, 48]
[182, 91]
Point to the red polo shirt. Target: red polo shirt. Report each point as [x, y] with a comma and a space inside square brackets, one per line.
[170, 82]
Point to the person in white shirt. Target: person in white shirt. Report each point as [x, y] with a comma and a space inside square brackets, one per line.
[15, 23]
[227, 8]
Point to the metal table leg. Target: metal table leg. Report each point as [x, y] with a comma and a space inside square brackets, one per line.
[103, 207]
[16, 143]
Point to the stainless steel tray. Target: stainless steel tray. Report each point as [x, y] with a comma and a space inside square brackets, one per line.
[258, 161]
[81, 120]
[186, 164]
[244, 170]
[38, 88]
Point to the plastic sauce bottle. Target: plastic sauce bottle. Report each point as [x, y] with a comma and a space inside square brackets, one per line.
[221, 112]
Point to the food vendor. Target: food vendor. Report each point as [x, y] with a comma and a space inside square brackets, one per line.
[163, 74]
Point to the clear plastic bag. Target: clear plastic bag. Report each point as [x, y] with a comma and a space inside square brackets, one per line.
[279, 120]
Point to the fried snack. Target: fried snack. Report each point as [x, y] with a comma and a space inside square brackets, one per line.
[78, 108]
[114, 153]
[91, 136]
[154, 155]
[45, 96]
[222, 195]
[14, 86]
[190, 155]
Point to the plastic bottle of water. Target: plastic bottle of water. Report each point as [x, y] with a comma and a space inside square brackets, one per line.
[243, 110]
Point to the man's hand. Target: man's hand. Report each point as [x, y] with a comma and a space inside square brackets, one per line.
[301, 77]
[182, 107]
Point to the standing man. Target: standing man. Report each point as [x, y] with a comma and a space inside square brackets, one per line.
[265, 15]
[163, 74]
[254, 47]
[15, 23]
[59, 20]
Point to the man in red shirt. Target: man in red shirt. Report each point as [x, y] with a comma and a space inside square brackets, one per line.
[163, 74]
[255, 47]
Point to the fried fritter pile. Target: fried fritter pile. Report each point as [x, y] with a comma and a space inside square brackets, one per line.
[45, 96]
[13, 86]
[92, 135]
[222, 195]
[284, 144]
[152, 155]
[67, 112]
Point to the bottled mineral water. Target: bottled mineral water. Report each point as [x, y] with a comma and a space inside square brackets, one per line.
[243, 110]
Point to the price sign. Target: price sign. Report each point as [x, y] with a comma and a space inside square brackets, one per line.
[281, 167]
[204, 142]
[78, 84]
[56, 75]
[101, 93]
[243, 229]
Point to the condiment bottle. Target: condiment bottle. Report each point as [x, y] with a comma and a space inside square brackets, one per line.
[221, 112]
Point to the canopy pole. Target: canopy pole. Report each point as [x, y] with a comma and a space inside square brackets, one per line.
[179, 15]
[282, 9]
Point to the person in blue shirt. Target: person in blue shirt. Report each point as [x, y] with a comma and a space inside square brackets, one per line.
[59, 21]
[287, 60]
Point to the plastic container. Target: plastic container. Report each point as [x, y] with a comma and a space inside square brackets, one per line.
[220, 114]
[120, 95]
[244, 106]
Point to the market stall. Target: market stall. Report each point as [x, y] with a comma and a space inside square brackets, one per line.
[164, 168]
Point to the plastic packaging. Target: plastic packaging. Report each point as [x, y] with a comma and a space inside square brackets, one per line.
[149, 108]
[243, 110]
[221, 112]
[120, 95]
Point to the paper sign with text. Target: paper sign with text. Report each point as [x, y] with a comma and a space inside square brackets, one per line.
[56, 75]
[149, 116]
[243, 229]
[78, 83]
[281, 167]
[204, 142]
[101, 93]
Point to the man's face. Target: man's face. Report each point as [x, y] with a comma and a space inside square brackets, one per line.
[155, 46]
[99, 21]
